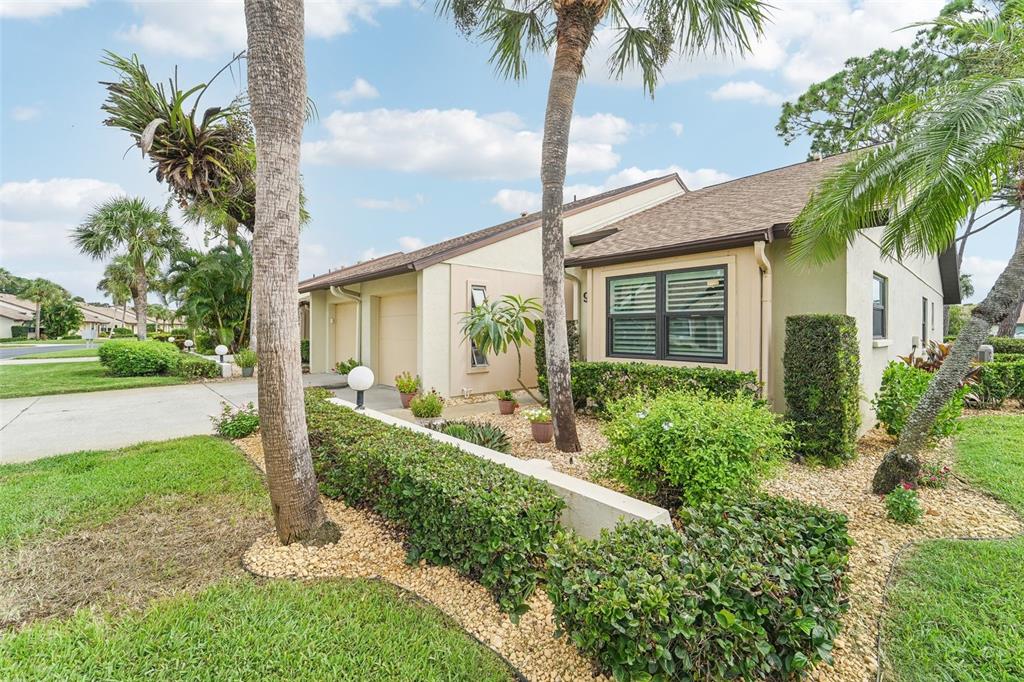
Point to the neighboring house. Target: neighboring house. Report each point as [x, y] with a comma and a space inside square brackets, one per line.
[16, 312]
[103, 318]
[705, 279]
[401, 312]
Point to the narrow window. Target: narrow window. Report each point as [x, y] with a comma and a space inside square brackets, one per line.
[633, 316]
[879, 307]
[477, 296]
[924, 321]
[933, 316]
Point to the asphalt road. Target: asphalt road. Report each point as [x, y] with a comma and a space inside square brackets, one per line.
[6, 353]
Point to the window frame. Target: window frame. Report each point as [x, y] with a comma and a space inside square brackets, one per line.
[884, 291]
[924, 321]
[473, 352]
[662, 317]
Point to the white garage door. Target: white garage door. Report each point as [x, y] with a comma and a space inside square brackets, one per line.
[397, 339]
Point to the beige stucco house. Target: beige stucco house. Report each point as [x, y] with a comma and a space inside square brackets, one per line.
[401, 312]
[15, 312]
[705, 278]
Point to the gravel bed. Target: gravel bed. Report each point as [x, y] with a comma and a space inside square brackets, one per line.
[955, 511]
[368, 548]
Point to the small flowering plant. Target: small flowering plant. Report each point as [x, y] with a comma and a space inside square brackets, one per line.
[903, 505]
[933, 475]
[538, 415]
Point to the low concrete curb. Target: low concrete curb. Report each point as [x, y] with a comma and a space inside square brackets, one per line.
[589, 507]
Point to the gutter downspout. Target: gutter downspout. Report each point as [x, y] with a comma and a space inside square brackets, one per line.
[342, 292]
[764, 363]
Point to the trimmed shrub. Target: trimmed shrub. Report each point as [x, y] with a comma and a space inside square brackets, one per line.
[996, 382]
[572, 328]
[1002, 344]
[480, 433]
[902, 388]
[483, 519]
[195, 367]
[427, 406]
[21, 331]
[139, 358]
[691, 448]
[123, 331]
[596, 384]
[236, 423]
[822, 386]
[748, 591]
[304, 350]
[71, 337]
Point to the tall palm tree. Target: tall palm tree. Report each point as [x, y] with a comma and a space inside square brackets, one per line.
[118, 282]
[277, 97]
[963, 144]
[131, 227]
[516, 27]
[41, 292]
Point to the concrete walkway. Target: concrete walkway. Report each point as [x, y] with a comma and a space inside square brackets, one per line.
[41, 426]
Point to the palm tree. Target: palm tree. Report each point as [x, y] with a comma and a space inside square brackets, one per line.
[215, 289]
[118, 283]
[514, 28]
[130, 227]
[41, 292]
[277, 97]
[493, 326]
[962, 145]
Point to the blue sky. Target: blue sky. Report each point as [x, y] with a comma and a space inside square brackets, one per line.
[417, 139]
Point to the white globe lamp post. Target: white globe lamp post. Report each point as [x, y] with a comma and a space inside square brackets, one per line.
[360, 379]
[221, 351]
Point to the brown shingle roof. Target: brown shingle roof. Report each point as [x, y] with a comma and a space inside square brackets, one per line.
[397, 263]
[14, 308]
[730, 213]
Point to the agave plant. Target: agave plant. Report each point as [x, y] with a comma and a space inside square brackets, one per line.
[480, 433]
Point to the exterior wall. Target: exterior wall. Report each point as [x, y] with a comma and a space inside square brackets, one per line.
[346, 330]
[743, 305]
[434, 328]
[909, 282]
[5, 327]
[502, 371]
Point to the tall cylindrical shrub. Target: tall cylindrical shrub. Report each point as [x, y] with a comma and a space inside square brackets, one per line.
[822, 385]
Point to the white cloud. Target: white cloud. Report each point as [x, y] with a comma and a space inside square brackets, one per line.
[218, 26]
[983, 272]
[361, 89]
[748, 91]
[36, 9]
[806, 40]
[518, 200]
[676, 128]
[55, 198]
[410, 243]
[459, 143]
[396, 204]
[23, 114]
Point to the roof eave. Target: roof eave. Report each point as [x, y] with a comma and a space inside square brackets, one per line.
[714, 244]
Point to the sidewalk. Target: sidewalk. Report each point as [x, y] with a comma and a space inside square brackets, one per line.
[41, 426]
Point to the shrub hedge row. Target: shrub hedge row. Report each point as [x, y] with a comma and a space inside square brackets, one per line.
[822, 385]
[139, 358]
[750, 591]
[488, 522]
[997, 381]
[196, 367]
[596, 384]
[573, 329]
[901, 390]
[1001, 344]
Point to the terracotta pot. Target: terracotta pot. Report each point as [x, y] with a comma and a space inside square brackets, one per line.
[543, 432]
[247, 371]
[406, 399]
[506, 406]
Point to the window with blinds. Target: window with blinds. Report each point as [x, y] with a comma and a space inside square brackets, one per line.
[678, 315]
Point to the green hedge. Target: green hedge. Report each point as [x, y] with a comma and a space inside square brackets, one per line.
[123, 331]
[901, 390]
[596, 384]
[572, 327]
[139, 358]
[1002, 344]
[304, 350]
[483, 519]
[998, 381]
[747, 591]
[196, 367]
[822, 385]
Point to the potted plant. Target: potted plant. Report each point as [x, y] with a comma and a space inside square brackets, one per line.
[427, 407]
[247, 360]
[506, 402]
[540, 424]
[408, 386]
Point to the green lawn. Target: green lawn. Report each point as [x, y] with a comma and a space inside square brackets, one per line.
[73, 353]
[955, 610]
[234, 628]
[69, 377]
[92, 487]
[244, 630]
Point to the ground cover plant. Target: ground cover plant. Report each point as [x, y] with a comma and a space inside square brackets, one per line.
[902, 505]
[70, 377]
[236, 423]
[481, 518]
[196, 367]
[480, 433]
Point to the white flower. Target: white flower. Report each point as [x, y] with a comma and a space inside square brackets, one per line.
[641, 414]
[666, 426]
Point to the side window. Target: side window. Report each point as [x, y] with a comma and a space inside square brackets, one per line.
[477, 296]
[924, 321]
[879, 307]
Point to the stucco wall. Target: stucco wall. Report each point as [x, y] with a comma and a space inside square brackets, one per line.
[346, 329]
[743, 321]
[434, 325]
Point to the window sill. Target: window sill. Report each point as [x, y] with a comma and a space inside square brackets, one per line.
[479, 370]
[881, 343]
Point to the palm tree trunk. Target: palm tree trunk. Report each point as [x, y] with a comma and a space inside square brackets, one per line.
[39, 317]
[277, 95]
[901, 463]
[1008, 326]
[576, 22]
[140, 292]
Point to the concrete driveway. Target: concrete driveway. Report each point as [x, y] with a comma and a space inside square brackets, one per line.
[36, 427]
